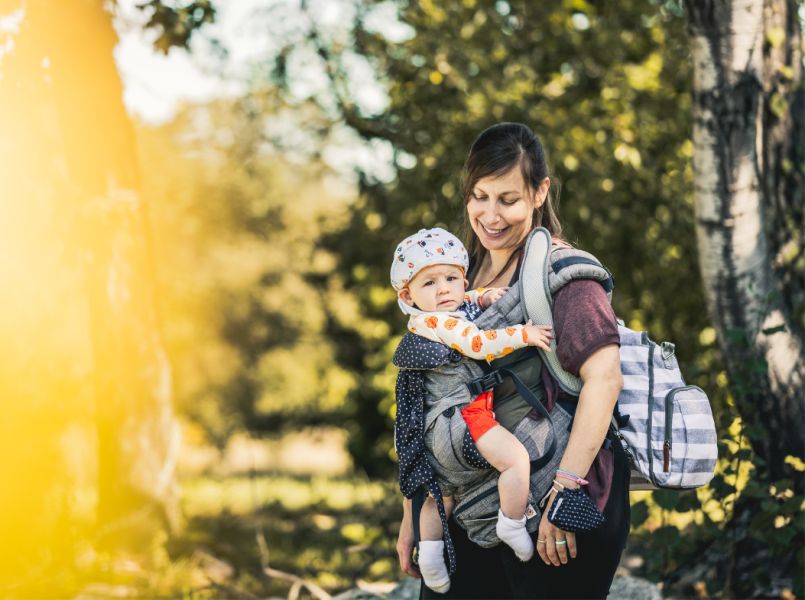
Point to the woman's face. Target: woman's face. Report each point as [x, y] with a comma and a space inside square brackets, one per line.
[500, 209]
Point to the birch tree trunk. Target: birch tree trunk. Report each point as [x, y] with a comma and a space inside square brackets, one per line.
[748, 194]
[65, 101]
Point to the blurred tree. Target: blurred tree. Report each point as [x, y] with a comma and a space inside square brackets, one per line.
[749, 107]
[62, 105]
[244, 279]
[748, 165]
[595, 81]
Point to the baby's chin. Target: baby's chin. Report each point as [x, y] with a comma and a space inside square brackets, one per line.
[447, 307]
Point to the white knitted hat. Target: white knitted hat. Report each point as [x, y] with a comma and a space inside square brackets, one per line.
[425, 248]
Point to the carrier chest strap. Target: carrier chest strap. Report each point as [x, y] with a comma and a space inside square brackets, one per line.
[494, 376]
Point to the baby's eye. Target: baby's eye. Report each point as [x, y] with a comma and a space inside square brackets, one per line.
[451, 278]
[429, 282]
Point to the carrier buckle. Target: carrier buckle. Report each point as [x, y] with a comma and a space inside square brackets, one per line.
[484, 383]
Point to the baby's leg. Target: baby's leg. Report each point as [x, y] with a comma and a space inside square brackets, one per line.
[431, 546]
[430, 524]
[504, 451]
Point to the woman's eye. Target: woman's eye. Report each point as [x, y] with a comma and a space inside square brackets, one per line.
[477, 197]
[509, 201]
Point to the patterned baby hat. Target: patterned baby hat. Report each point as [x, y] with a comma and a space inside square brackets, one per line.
[425, 248]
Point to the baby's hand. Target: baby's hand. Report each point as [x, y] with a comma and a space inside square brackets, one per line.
[538, 335]
[491, 295]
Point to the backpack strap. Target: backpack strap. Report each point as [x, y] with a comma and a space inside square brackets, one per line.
[544, 272]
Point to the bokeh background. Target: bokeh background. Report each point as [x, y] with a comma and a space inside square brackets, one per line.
[199, 201]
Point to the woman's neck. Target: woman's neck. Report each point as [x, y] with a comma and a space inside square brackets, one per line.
[496, 269]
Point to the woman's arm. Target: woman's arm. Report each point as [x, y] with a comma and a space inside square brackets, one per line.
[405, 541]
[601, 374]
[603, 382]
[587, 345]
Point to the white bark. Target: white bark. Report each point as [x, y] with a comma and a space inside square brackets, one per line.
[735, 257]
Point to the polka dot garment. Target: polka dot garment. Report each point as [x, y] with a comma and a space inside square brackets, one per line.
[409, 440]
[573, 510]
[414, 355]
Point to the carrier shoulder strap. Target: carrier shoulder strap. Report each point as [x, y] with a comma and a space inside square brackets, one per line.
[543, 272]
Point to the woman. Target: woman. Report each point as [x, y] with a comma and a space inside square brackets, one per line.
[506, 194]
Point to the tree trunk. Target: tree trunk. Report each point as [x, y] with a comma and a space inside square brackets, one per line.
[66, 104]
[748, 190]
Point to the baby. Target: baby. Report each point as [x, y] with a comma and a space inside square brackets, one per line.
[428, 274]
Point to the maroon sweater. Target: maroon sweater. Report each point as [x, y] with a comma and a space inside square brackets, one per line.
[583, 322]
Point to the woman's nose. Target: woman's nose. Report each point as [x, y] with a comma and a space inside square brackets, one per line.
[492, 213]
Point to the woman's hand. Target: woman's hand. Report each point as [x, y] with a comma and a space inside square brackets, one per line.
[554, 546]
[405, 542]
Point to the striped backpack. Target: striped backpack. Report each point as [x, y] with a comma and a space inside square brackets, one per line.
[665, 425]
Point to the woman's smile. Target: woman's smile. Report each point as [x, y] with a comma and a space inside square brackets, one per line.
[493, 232]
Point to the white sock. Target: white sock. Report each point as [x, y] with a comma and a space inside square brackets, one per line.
[513, 533]
[432, 567]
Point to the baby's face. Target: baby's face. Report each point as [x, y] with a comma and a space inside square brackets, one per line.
[436, 288]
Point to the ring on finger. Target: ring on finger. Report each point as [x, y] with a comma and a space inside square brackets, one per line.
[542, 541]
[561, 542]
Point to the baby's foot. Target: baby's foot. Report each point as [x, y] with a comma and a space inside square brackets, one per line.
[513, 533]
[432, 567]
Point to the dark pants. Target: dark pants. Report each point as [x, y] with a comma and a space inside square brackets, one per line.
[485, 573]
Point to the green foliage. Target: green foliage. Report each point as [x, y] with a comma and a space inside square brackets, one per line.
[598, 83]
[607, 89]
[236, 231]
[175, 26]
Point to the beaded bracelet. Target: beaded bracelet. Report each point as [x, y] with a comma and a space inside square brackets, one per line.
[571, 476]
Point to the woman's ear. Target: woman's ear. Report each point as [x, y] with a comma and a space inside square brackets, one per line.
[541, 194]
[405, 295]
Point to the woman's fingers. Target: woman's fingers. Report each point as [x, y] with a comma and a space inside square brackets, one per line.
[554, 546]
[560, 543]
[553, 556]
[571, 543]
[406, 562]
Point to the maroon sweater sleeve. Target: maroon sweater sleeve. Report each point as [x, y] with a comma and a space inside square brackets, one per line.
[583, 322]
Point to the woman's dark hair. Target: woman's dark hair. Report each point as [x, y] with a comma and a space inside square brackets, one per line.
[494, 153]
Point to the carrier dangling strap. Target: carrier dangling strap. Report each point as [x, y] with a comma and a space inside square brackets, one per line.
[416, 509]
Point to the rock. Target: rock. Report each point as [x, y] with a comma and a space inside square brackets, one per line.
[623, 588]
[633, 588]
[356, 594]
[407, 590]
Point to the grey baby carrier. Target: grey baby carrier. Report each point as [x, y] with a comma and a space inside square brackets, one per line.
[455, 380]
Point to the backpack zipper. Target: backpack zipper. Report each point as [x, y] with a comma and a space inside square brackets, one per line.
[669, 416]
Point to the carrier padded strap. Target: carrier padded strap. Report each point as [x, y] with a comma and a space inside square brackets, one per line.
[571, 264]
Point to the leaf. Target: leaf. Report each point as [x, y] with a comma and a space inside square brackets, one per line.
[666, 499]
[778, 105]
[775, 37]
[687, 502]
[639, 514]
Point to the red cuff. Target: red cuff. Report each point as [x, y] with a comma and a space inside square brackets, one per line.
[478, 416]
